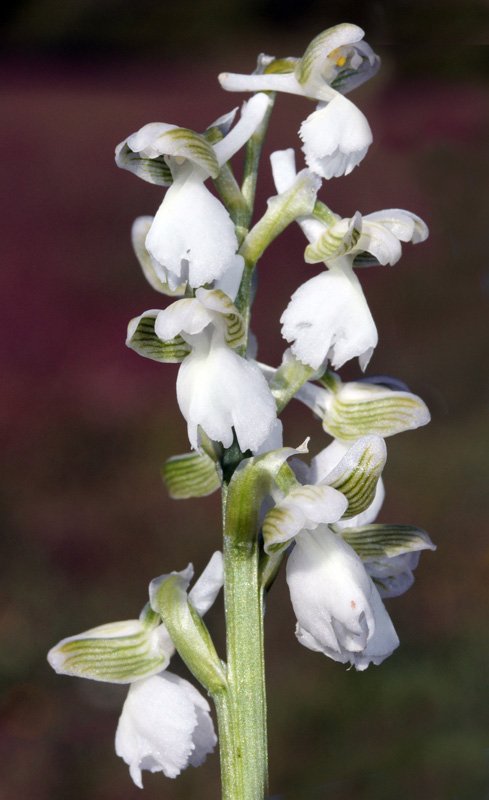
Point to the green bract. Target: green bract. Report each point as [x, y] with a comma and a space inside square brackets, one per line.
[191, 475]
[168, 595]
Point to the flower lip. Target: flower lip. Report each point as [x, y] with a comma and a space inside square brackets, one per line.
[165, 726]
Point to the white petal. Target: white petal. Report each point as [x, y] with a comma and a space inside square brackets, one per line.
[283, 169]
[207, 587]
[338, 609]
[183, 316]
[272, 82]
[408, 227]
[378, 240]
[274, 440]
[230, 281]
[252, 114]
[326, 460]
[164, 726]
[328, 318]
[147, 139]
[192, 235]
[303, 508]
[219, 390]
[336, 137]
[324, 463]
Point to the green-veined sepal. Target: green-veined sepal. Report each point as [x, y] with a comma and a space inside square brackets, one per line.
[152, 170]
[372, 542]
[141, 338]
[315, 61]
[337, 240]
[158, 140]
[118, 652]
[356, 409]
[193, 474]
[356, 475]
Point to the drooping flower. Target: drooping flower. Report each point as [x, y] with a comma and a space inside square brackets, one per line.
[192, 238]
[339, 611]
[328, 318]
[217, 389]
[165, 724]
[338, 571]
[336, 136]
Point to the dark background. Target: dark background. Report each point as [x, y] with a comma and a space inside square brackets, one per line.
[88, 424]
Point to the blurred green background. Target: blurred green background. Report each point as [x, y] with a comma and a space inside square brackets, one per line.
[88, 424]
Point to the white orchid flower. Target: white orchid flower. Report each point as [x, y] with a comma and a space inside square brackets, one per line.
[339, 611]
[217, 389]
[192, 238]
[328, 318]
[165, 724]
[338, 608]
[337, 135]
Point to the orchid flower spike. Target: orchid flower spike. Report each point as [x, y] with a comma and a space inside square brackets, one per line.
[328, 317]
[192, 238]
[336, 136]
[217, 389]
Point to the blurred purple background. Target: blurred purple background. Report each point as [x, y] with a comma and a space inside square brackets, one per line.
[87, 424]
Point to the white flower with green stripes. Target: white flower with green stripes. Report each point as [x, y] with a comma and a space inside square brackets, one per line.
[328, 318]
[165, 724]
[192, 238]
[337, 135]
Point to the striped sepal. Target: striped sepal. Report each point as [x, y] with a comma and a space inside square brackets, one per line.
[312, 64]
[184, 143]
[152, 170]
[372, 542]
[357, 409]
[120, 652]
[336, 241]
[191, 475]
[141, 338]
[357, 473]
[219, 301]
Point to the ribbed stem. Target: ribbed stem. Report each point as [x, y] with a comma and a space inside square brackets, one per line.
[242, 707]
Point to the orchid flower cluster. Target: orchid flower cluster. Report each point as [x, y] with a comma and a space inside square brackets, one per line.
[201, 250]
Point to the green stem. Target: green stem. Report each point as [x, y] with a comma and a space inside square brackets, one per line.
[242, 708]
[232, 783]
